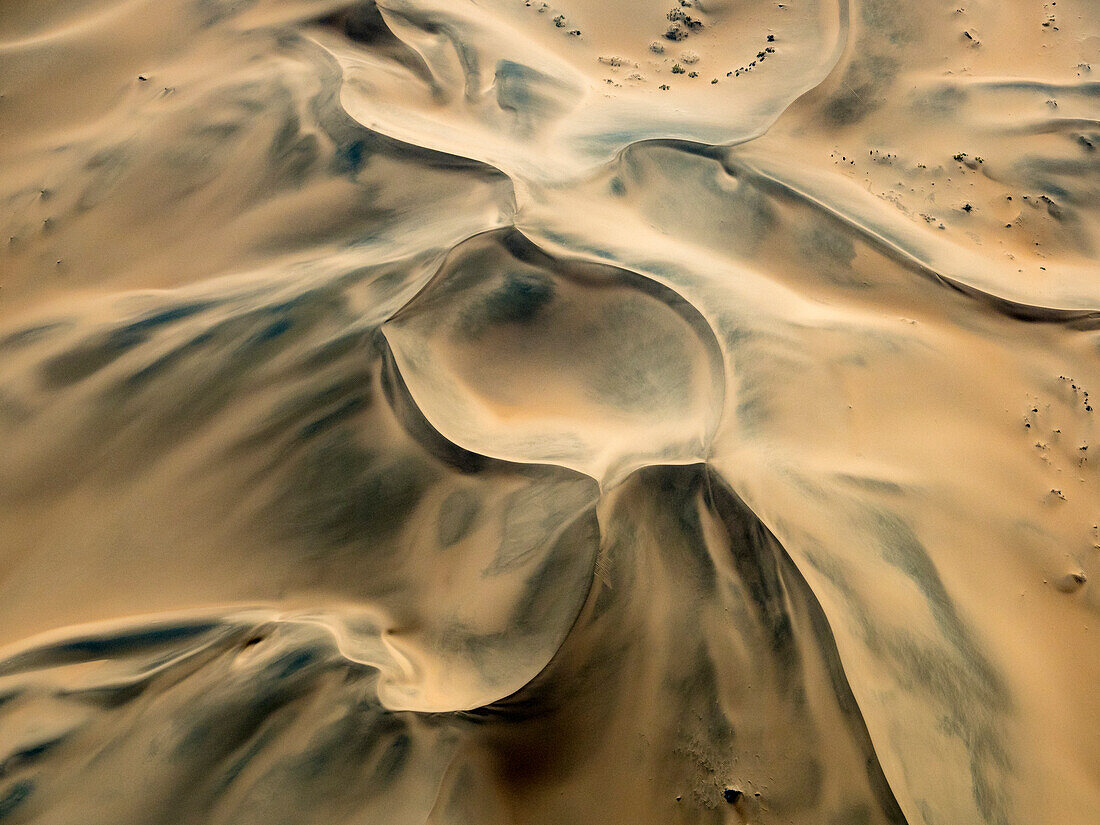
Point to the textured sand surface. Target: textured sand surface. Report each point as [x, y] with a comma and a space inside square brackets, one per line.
[492, 411]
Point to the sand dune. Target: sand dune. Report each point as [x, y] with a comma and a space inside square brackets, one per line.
[497, 411]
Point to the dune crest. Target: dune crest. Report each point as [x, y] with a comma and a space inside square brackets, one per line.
[498, 411]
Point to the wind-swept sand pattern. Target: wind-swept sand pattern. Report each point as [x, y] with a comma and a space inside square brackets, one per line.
[497, 411]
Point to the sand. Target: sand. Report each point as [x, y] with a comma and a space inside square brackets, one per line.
[491, 411]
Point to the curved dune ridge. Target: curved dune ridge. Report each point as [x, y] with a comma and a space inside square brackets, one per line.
[498, 411]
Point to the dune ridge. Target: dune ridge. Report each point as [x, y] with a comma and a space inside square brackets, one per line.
[501, 411]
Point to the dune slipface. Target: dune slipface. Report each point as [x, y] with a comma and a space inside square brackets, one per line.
[497, 411]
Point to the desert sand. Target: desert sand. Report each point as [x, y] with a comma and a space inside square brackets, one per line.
[497, 411]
